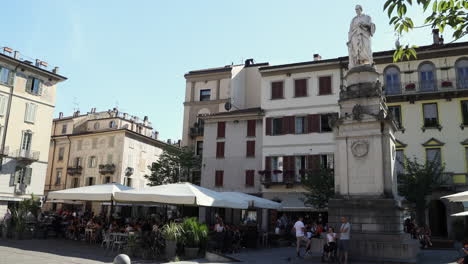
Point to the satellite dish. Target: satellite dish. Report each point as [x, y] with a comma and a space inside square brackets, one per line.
[227, 106]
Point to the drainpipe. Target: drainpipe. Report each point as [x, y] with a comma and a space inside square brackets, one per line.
[53, 155]
[68, 161]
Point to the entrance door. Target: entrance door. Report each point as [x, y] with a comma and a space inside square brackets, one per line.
[438, 218]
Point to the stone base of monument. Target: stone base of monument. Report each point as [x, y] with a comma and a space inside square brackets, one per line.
[376, 230]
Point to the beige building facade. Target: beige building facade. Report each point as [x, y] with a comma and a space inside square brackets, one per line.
[27, 101]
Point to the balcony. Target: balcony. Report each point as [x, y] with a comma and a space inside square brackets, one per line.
[106, 168]
[75, 170]
[26, 156]
[129, 171]
[20, 189]
[196, 131]
[278, 177]
[426, 90]
[454, 180]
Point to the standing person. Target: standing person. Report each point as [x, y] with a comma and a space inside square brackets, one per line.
[345, 235]
[299, 228]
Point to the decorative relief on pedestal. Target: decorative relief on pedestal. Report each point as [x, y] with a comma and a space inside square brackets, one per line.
[360, 148]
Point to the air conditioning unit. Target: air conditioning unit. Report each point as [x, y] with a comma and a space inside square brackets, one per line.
[20, 188]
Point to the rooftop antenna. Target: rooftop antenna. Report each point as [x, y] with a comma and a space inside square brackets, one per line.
[76, 106]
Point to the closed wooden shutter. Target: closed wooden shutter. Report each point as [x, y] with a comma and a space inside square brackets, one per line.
[292, 124]
[251, 128]
[220, 150]
[221, 129]
[276, 90]
[313, 163]
[268, 126]
[313, 123]
[219, 175]
[300, 88]
[268, 163]
[325, 85]
[285, 126]
[251, 148]
[249, 177]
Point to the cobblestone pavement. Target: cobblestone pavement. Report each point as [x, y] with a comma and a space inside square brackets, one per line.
[76, 252]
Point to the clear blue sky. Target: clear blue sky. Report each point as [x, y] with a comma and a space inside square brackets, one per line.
[135, 53]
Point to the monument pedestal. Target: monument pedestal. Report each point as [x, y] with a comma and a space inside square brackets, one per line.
[365, 180]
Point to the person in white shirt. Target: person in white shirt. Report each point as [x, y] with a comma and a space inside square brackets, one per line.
[330, 247]
[299, 228]
[345, 236]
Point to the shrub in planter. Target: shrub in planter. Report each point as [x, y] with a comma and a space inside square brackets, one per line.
[171, 232]
[194, 236]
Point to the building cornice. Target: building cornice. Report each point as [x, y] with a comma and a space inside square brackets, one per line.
[211, 102]
[32, 68]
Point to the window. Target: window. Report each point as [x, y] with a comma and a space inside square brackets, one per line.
[34, 86]
[300, 88]
[276, 167]
[219, 175]
[111, 141]
[94, 143]
[3, 104]
[327, 161]
[6, 76]
[427, 78]
[462, 73]
[250, 148]
[107, 179]
[399, 162]
[79, 144]
[299, 167]
[325, 123]
[277, 90]
[92, 162]
[325, 87]
[26, 142]
[77, 162]
[22, 175]
[249, 178]
[96, 125]
[392, 81]
[300, 122]
[251, 127]
[112, 124]
[221, 129]
[434, 155]
[277, 126]
[199, 150]
[464, 109]
[90, 181]
[431, 118]
[128, 182]
[64, 128]
[58, 177]
[75, 182]
[219, 149]
[61, 153]
[205, 95]
[395, 111]
[30, 114]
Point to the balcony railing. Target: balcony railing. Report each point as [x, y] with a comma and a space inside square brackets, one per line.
[278, 177]
[451, 179]
[425, 87]
[26, 155]
[106, 168]
[75, 170]
[196, 131]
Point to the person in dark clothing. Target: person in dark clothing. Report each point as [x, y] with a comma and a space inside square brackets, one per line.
[464, 260]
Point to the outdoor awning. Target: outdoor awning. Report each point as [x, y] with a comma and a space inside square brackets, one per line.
[290, 202]
[64, 201]
[461, 214]
[100, 192]
[181, 194]
[458, 197]
[254, 201]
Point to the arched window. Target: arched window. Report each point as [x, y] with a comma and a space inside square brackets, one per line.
[462, 73]
[427, 77]
[392, 80]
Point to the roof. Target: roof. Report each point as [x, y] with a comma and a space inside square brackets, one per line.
[23, 63]
[210, 70]
[375, 54]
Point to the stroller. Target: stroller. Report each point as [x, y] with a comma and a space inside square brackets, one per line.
[330, 252]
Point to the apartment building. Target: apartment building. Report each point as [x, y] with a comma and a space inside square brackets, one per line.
[27, 101]
[101, 147]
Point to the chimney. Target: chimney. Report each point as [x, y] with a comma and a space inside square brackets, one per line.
[435, 36]
[7, 50]
[317, 57]
[125, 115]
[16, 55]
[77, 113]
[55, 70]
[60, 115]
[169, 142]
[145, 120]
[38, 63]
[248, 62]
[156, 134]
[441, 40]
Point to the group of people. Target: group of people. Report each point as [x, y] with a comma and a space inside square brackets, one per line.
[227, 238]
[423, 234]
[334, 241]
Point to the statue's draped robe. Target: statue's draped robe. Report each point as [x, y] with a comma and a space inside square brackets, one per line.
[359, 41]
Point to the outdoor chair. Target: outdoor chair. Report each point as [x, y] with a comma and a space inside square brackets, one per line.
[118, 242]
[106, 239]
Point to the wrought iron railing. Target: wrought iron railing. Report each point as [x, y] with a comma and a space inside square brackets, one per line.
[26, 155]
[106, 168]
[425, 86]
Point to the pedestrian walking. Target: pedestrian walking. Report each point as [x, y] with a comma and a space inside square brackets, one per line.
[299, 228]
[345, 236]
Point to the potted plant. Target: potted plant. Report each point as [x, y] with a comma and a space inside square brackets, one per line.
[446, 84]
[171, 232]
[410, 87]
[193, 237]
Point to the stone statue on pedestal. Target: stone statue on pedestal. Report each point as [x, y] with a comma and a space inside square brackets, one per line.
[359, 39]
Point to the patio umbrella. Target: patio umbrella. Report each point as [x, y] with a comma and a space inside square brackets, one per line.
[254, 201]
[181, 194]
[461, 214]
[458, 197]
[97, 193]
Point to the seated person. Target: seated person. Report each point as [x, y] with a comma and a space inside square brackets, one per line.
[464, 260]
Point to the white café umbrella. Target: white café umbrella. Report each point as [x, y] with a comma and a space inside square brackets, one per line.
[181, 194]
[97, 193]
[458, 197]
[461, 214]
[254, 201]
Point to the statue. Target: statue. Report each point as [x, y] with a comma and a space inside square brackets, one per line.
[359, 39]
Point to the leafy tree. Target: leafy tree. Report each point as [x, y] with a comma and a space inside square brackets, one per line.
[320, 185]
[418, 181]
[173, 166]
[445, 13]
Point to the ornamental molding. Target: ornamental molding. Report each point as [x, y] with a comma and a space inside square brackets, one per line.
[360, 148]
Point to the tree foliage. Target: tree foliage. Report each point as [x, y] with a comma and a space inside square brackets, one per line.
[445, 13]
[173, 166]
[320, 186]
[418, 181]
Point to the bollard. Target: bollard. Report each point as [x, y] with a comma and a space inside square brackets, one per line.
[122, 259]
